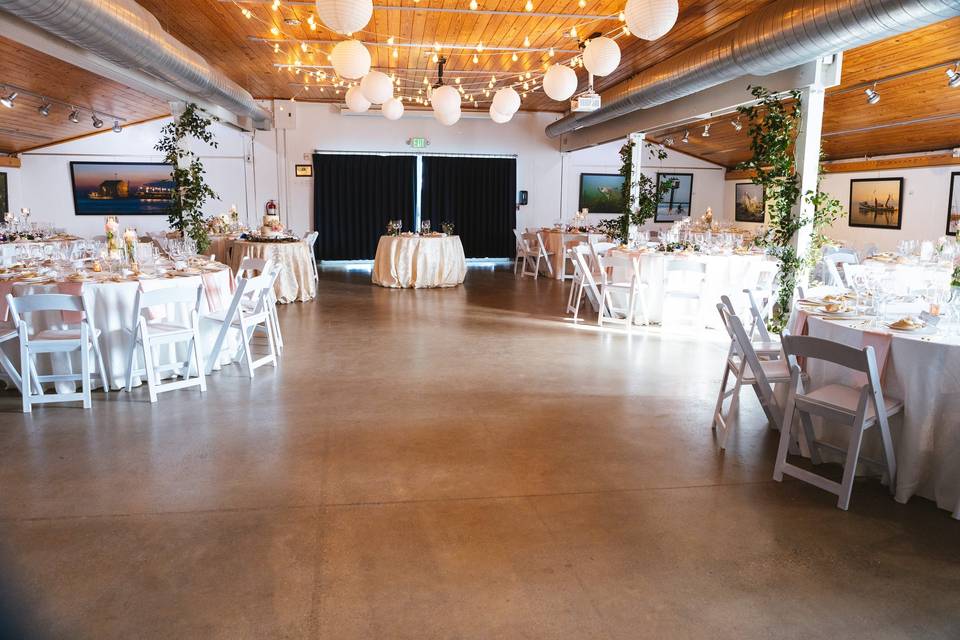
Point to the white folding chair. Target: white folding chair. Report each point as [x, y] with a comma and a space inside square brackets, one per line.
[859, 408]
[64, 340]
[520, 249]
[597, 251]
[145, 336]
[575, 296]
[831, 261]
[311, 240]
[249, 308]
[9, 371]
[765, 347]
[535, 250]
[620, 277]
[685, 280]
[569, 240]
[747, 368]
[250, 267]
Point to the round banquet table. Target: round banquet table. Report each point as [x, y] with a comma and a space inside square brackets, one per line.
[924, 372]
[295, 283]
[556, 242]
[111, 306]
[726, 275]
[419, 262]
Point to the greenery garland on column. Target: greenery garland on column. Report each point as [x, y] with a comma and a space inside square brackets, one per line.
[636, 211]
[190, 189]
[773, 128]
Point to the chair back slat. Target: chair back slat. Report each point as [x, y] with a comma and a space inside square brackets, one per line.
[182, 294]
[37, 302]
[820, 349]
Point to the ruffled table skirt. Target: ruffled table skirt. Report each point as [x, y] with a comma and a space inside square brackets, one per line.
[418, 262]
[295, 283]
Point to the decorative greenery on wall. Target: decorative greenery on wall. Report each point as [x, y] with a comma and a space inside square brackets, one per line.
[636, 211]
[773, 128]
[191, 190]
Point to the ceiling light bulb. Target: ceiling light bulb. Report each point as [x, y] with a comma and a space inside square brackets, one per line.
[116, 127]
[953, 77]
[275, 5]
[626, 31]
[551, 53]
[274, 31]
[526, 41]
[686, 137]
[473, 5]
[573, 32]
[622, 17]
[390, 41]
[475, 59]
[514, 57]
[480, 47]
[582, 3]
[529, 5]
[7, 101]
[44, 109]
[97, 122]
[396, 53]
[872, 96]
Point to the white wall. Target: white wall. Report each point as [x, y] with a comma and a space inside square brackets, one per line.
[708, 178]
[925, 194]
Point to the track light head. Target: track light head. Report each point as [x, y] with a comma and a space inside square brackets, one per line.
[872, 96]
[706, 131]
[686, 137]
[97, 122]
[74, 116]
[7, 100]
[116, 127]
[44, 109]
[953, 76]
[737, 126]
[668, 141]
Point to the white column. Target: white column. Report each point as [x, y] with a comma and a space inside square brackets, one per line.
[636, 163]
[807, 157]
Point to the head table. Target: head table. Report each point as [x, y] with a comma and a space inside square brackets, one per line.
[415, 261]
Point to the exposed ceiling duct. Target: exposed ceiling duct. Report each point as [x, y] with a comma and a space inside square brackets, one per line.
[126, 34]
[781, 35]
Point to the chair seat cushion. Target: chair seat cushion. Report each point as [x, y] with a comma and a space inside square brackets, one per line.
[158, 328]
[775, 370]
[761, 346]
[846, 399]
[60, 334]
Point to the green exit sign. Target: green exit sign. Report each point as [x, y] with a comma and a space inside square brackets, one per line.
[418, 143]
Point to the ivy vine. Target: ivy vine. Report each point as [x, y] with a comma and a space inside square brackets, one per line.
[636, 211]
[190, 189]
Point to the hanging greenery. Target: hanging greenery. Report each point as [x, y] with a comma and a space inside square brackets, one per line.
[190, 190]
[636, 211]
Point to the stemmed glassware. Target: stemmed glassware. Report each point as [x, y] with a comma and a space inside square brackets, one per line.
[424, 227]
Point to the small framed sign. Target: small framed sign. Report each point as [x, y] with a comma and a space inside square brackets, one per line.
[304, 170]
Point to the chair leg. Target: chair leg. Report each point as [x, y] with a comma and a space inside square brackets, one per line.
[245, 337]
[272, 343]
[26, 364]
[785, 435]
[717, 411]
[214, 357]
[275, 318]
[199, 357]
[148, 365]
[888, 454]
[102, 369]
[132, 357]
[850, 465]
[85, 373]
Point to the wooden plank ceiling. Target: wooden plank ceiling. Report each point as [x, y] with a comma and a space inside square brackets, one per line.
[23, 127]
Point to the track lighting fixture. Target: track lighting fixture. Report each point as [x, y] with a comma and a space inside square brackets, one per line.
[706, 131]
[736, 125]
[686, 137]
[669, 142]
[953, 76]
[97, 122]
[75, 116]
[7, 100]
[872, 96]
[116, 127]
[44, 109]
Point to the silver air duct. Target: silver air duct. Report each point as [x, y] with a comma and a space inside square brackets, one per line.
[781, 35]
[126, 34]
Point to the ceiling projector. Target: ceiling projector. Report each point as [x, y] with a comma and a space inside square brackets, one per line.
[585, 102]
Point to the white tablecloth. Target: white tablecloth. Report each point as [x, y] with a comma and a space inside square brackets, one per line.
[112, 307]
[726, 275]
[925, 374]
[556, 243]
[419, 262]
[295, 283]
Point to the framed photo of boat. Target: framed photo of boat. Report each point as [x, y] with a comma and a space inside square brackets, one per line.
[750, 203]
[121, 188]
[675, 203]
[876, 203]
[953, 204]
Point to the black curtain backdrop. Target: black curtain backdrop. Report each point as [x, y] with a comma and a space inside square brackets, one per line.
[479, 196]
[353, 198]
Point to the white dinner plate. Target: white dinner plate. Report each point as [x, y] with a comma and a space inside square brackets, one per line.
[926, 330]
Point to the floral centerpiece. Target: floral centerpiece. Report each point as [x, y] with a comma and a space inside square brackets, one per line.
[447, 228]
[130, 244]
[219, 225]
[110, 227]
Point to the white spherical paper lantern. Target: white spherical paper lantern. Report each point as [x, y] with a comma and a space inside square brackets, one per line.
[447, 118]
[445, 99]
[392, 109]
[377, 87]
[506, 101]
[350, 59]
[602, 56]
[356, 101]
[345, 16]
[651, 19]
[498, 117]
[560, 82]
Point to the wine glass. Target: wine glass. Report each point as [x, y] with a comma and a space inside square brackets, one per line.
[424, 227]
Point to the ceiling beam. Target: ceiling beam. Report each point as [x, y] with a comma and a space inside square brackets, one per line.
[919, 161]
[10, 162]
[418, 9]
[413, 45]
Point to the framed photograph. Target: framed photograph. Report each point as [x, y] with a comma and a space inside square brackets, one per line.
[304, 170]
[601, 192]
[750, 202]
[4, 196]
[953, 205]
[121, 188]
[675, 203]
[876, 203]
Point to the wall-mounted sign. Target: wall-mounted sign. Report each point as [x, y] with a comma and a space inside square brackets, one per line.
[418, 143]
[304, 170]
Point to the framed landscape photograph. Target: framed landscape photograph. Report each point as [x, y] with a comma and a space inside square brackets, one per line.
[121, 188]
[675, 203]
[876, 203]
[953, 204]
[750, 203]
[601, 192]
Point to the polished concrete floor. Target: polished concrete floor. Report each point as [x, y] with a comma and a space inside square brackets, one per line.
[449, 464]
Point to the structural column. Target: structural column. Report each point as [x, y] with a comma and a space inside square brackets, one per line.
[807, 157]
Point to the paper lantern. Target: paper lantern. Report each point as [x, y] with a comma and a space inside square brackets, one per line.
[560, 82]
[377, 87]
[506, 101]
[448, 118]
[602, 56]
[350, 59]
[650, 19]
[498, 117]
[392, 109]
[345, 16]
[445, 99]
[356, 101]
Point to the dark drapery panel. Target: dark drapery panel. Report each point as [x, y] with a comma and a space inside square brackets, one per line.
[353, 198]
[478, 195]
